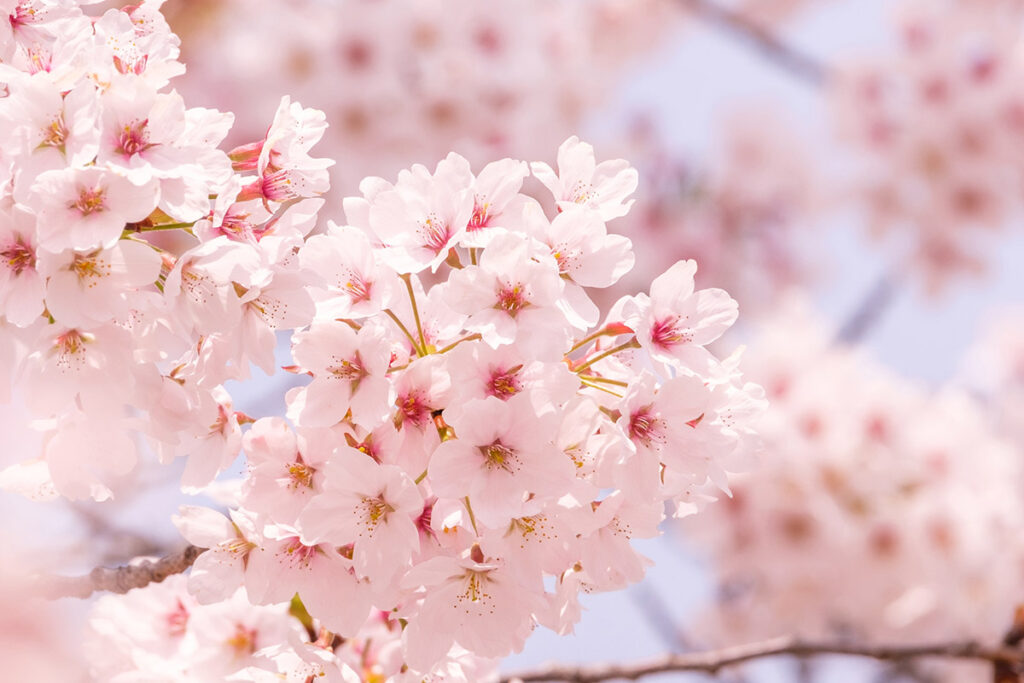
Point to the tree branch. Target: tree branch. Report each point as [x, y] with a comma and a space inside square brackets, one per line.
[870, 309]
[741, 26]
[1005, 671]
[659, 618]
[117, 579]
[710, 662]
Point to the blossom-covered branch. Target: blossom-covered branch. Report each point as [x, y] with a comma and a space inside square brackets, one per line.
[119, 579]
[714, 660]
[779, 52]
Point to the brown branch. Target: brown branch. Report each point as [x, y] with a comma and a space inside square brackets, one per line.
[1006, 672]
[117, 579]
[711, 662]
[739, 25]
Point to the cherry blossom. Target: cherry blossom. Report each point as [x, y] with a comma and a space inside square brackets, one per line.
[582, 181]
[466, 443]
[86, 208]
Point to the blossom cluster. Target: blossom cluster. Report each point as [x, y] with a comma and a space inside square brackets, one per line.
[939, 124]
[106, 335]
[473, 444]
[407, 81]
[907, 499]
[162, 632]
[461, 445]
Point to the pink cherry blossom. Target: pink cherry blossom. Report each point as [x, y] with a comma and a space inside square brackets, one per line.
[371, 506]
[348, 369]
[87, 208]
[580, 180]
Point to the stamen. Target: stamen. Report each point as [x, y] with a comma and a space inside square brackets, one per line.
[90, 200]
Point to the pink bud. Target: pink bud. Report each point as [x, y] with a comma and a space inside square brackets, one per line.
[246, 157]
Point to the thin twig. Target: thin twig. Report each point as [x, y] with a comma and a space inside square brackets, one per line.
[712, 661]
[869, 311]
[778, 52]
[118, 579]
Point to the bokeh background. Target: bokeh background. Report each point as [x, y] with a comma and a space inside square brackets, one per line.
[855, 163]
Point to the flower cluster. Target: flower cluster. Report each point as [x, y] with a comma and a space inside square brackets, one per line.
[406, 81]
[461, 445]
[162, 633]
[106, 334]
[941, 124]
[905, 499]
[473, 443]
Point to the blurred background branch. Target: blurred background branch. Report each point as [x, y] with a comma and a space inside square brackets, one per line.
[777, 51]
[1004, 658]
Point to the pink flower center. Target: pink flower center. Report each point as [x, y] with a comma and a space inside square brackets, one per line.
[563, 260]
[525, 526]
[177, 620]
[242, 641]
[90, 200]
[435, 233]
[133, 138]
[300, 475]
[373, 512]
[40, 59]
[236, 225]
[358, 289]
[71, 342]
[237, 546]
[476, 587]
[297, 554]
[645, 426]
[480, 217]
[55, 134]
[279, 186]
[669, 332]
[423, 522]
[24, 13]
[220, 426]
[89, 267]
[131, 62]
[413, 408]
[505, 383]
[581, 193]
[498, 456]
[511, 299]
[350, 369]
[18, 257]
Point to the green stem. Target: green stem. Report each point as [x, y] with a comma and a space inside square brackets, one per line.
[422, 476]
[472, 518]
[472, 337]
[415, 310]
[586, 340]
[605, 380]
[412, 340]
[631, 344]
[136, 229]
[600, 388]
